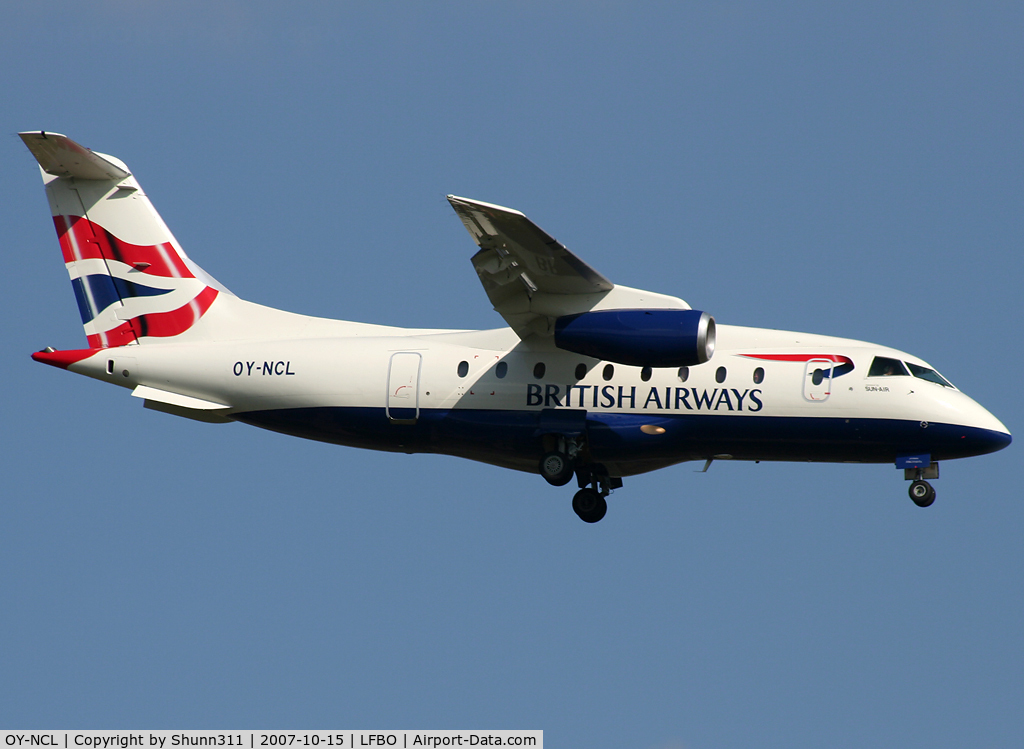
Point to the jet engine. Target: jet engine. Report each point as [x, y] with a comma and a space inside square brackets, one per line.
[639, 337]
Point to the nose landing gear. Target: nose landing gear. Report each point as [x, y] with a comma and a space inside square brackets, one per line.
[922, 493]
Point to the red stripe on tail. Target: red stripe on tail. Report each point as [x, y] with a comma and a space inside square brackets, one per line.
[165, 324]
[156, 324]
[82, 239]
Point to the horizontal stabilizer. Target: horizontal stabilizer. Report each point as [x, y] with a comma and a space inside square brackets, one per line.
[176, 399]
[185, 406]
[60, 156]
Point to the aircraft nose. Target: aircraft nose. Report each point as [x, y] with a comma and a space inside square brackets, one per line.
[991, 440]
[970, 429]
[986, 434]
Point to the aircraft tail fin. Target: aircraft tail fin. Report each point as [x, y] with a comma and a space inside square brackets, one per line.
[132, 280]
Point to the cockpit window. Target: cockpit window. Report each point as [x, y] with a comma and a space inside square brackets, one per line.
[928, 374]
[885, 367]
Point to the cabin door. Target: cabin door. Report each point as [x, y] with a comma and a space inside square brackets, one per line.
[403, 404]
[818, 380]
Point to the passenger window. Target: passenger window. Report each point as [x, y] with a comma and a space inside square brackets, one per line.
[885, 367]
[759, 375]
[539, 369]
[720, 375]
[501, 370]
[684, 374]
[817, 376]
[581, 371]
[463, 368]
[609, 372]
[645, 374]
[929, 374]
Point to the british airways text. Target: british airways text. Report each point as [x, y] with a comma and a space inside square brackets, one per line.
[656, 398]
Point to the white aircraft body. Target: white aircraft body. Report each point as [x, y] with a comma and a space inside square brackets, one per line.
[591, 380]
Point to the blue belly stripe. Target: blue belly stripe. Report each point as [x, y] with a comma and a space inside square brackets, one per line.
[509, 438]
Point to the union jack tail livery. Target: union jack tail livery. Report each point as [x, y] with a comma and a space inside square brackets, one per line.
[132, 280]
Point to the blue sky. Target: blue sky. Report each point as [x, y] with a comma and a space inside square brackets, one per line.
[853, 170]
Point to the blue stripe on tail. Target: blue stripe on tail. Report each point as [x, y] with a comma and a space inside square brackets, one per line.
[97, 292]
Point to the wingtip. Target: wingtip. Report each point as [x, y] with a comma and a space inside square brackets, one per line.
[44, 134]
[455, 200]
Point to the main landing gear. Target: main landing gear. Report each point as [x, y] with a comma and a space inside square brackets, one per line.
[589, 505]
[558, 466]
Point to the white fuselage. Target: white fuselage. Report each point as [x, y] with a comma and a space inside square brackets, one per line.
[342, 382]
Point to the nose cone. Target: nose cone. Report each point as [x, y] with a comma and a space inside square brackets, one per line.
[958, 427]
[999, 440]
[982, 441]
[980, 431]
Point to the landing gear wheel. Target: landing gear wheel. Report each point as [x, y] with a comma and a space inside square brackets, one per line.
[922, 493]
[589, 505]
[556, 468]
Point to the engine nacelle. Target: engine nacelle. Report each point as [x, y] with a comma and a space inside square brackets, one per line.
[640, 337]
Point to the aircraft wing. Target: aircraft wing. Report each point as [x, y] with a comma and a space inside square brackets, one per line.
[531, 278]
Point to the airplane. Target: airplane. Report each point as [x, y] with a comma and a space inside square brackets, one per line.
[590, 380]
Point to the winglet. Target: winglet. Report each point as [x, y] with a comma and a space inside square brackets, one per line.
[60, 156]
